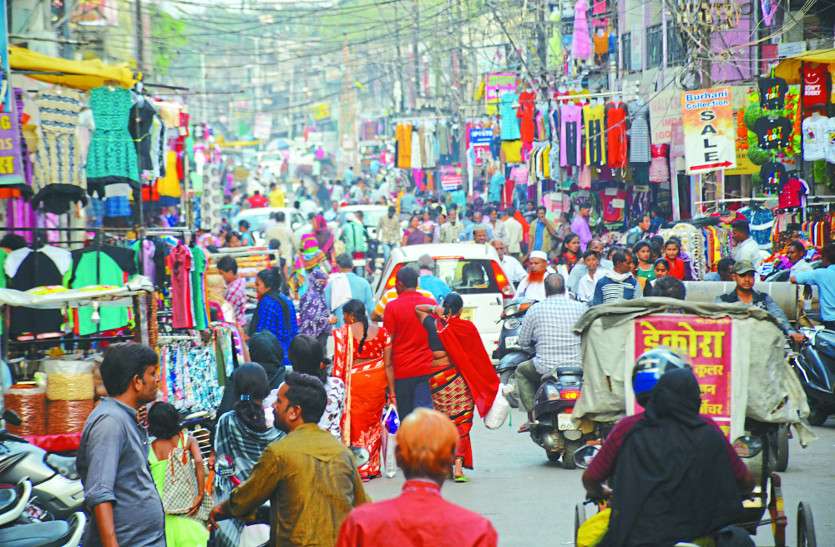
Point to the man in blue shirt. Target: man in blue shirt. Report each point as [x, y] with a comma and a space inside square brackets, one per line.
[428, 281]
[346, 285]
[824, 279]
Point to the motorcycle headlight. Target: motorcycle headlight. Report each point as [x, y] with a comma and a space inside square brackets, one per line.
[62, 465]
[510, 310]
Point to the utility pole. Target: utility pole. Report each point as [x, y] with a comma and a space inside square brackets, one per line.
[416, 48]
[140, 37]
[399, 68]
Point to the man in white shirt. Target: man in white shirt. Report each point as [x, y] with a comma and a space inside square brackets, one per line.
[513, 233]
[496, 224]
[512, 268]
[746, 248]
[585, 289]
[532, 286]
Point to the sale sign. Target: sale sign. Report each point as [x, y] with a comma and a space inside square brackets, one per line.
[707, 345]
[709, 130]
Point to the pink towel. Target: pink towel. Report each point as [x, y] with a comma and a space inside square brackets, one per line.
[581, 41]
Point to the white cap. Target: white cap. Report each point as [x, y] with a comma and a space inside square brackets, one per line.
[540, 255]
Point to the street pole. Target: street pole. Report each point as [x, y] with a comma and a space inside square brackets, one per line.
[416, 48]
[140, 38]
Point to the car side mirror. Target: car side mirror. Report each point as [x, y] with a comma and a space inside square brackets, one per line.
[748, 446]
[583, 456]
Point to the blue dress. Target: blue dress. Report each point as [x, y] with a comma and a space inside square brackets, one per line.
[277, 314]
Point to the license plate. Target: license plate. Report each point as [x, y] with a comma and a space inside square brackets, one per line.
[511, 342]
[564, 422]
[467, 314]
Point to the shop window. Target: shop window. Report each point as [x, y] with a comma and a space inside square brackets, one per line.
[675, 46]
[626, 47]
[654, 46]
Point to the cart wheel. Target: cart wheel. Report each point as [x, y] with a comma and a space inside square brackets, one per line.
[782, 448]
[579, 518]
[805, 526]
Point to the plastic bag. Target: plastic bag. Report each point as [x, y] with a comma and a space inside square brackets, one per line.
[254, 535]
[592, 531]
[497, 415]
[69, 380]
[388, 460]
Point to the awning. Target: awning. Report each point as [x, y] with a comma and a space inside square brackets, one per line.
[789, 69]
[84, 75]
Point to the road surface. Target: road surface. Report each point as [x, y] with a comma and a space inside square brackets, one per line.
[531, 502]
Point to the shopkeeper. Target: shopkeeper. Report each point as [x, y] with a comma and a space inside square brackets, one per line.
[824, 279]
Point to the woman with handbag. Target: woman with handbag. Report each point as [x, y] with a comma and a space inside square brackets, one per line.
[183, 528]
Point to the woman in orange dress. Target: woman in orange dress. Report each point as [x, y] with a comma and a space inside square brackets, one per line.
[358, 361]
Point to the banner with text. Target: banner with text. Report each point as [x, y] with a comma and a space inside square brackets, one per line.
[495, 84]
[709, 130]
[707, 345]
[11, 166]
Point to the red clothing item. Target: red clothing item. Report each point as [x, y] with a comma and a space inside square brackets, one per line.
[471, 361]
[815, 85]
[526, 113]
[411, 355]
[419, 517]
[677, 269]
[603, 465]
[790, 194]
[179, 263]
[258, 200]
[616, 143]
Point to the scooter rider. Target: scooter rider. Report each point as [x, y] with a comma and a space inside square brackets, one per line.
[674, 475]
[547, 331]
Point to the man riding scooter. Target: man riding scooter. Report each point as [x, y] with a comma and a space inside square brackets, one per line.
[673, 474]
[547, 331]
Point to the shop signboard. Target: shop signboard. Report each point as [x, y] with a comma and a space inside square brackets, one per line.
[451, 178]
[709, 130]
[706, 343]
[480, 139]
[11, 166]
[495, 84]
[662, 113]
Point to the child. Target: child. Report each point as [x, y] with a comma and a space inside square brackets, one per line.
[644, 269]
[235, 287]
[679, 268]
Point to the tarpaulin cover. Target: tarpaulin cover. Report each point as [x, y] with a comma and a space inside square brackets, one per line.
[770, 388]
[84, 75]
[789, 69]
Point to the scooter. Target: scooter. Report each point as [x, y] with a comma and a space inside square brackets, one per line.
[58, 533]
[552, 426]
[814, 363]
[57, 492]
[509, 353]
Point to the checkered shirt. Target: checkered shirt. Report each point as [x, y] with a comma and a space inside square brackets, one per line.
[548, 329]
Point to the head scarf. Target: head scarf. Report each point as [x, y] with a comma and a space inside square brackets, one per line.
[265, 349]
[313, 310]
[324, 236]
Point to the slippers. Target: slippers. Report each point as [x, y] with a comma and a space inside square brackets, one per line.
[462, 478]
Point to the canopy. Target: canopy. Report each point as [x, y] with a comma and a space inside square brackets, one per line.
[84, 75]
[57, 297]
[789, 69]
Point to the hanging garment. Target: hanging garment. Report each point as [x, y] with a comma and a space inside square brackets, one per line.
[512, 151]
[814, 137]
[141, 127]
[593, 125]
[104, 265]
[761, 221]
[198, 286]
[772, 176]
[791, 194]
[639, 138]
[570, 121]
[403, 134]
[59, 173]
[601, 45]
[659, 168]
[179, 263]
[169, 185]
[773, 133]
[581, 41]
[509, 121]
[416, 157]
[28, 269]
[772, 93]
[830, 144]
[815, 85]
[616, 142]
[112, 156]
[526, 113]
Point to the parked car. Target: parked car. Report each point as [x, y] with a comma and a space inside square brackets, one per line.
[470, 269]
[259, 218]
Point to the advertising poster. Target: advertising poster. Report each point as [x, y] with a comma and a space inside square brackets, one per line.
[11, 166]
[709, 130]
[451, 178]
[480, 138]
[707, 344]
[495, 84]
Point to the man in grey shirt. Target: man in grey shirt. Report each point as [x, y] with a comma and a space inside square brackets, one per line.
[113, 456]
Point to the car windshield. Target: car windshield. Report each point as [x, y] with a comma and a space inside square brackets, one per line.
[466, 276]
[256, 222]
[371, 218]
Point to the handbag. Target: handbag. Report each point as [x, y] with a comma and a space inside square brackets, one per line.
[180, 487]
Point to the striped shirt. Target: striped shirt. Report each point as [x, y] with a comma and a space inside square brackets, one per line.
[391, 294]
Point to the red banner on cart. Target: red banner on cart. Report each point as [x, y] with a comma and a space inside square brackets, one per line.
[707, 345]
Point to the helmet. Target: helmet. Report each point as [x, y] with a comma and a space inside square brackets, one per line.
[650, 367]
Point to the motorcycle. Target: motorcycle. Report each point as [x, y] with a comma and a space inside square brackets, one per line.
[552, 426]
[509, 353]
[15, 531]
[814, 363]
[57, 492]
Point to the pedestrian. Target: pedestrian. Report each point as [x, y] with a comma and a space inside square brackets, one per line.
[824, 280]
[413, 234]
[389, 296]
[408, 360]
[309, 478]
[745, 248]
[679, 268]
[276, 196]
[512, 268]
[265, 350]
[324, 236]
[641, 231]
[344, 285]
[644, 269]
[233, 240]
[481, 234]
[279, 230]
[585, 288]
[513, 233]
[580, 225]
[241, 437]
[307, 356]
[235, 287]
[428, 281]
[569, 254]
[256, 200]
[542, 232]
[358, 361]
[453, 228]
[389, 233]
[428, 226]
[314, 314]
[247, 240]
[164, 426]
[354, 236]
[496, 224]
[275, 312]
[618, 284]
[532, 287]
[724, 270]
[464, 376]
[426, 443]
[119, 491]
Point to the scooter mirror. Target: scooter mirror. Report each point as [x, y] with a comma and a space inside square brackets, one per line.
[748, 446]
[583, 456]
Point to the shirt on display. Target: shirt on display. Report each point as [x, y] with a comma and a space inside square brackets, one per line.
[593, 119]
[773, 134]
[772, 93]
[772, 176]
[616, 143]
[815, 85]
[830, 140]
[815, 137]
[509, 121]
[570, 121]
[791, 194]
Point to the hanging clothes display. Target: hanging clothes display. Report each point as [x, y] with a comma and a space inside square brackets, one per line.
[773, 133]
[168, 186]
[815, 86]
[112, 156]
[59, 172]
[570, 141]
[179, 264]
[403, 136]
[103, 265]
[659, 166]
[198, 288]
[772, 93]
[27, 269]
[593, 125]
[525, 113]
[141, 127]
[509, 122]
[616, 141]
[815, 129]
[639, 138]
[581, 41]
[772, 176]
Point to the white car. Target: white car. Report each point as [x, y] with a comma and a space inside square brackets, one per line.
[371, 215]
[471, 270]
[259, 218]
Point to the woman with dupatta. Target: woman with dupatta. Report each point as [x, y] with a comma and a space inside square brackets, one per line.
[324, 236]
[358, 361]
[464, 377]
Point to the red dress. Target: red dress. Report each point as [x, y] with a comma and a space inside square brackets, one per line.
[677, 269]
[526, 113]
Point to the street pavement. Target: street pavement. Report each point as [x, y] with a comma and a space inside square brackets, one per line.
[531, 502]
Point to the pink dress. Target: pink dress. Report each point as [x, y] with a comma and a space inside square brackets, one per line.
[581, 42]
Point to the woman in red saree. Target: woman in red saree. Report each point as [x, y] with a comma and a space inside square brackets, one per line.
[464, 379]
[358, 361]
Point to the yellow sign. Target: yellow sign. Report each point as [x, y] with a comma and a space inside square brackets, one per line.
[320, 111]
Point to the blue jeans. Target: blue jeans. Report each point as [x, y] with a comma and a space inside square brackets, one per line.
[412, 393]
